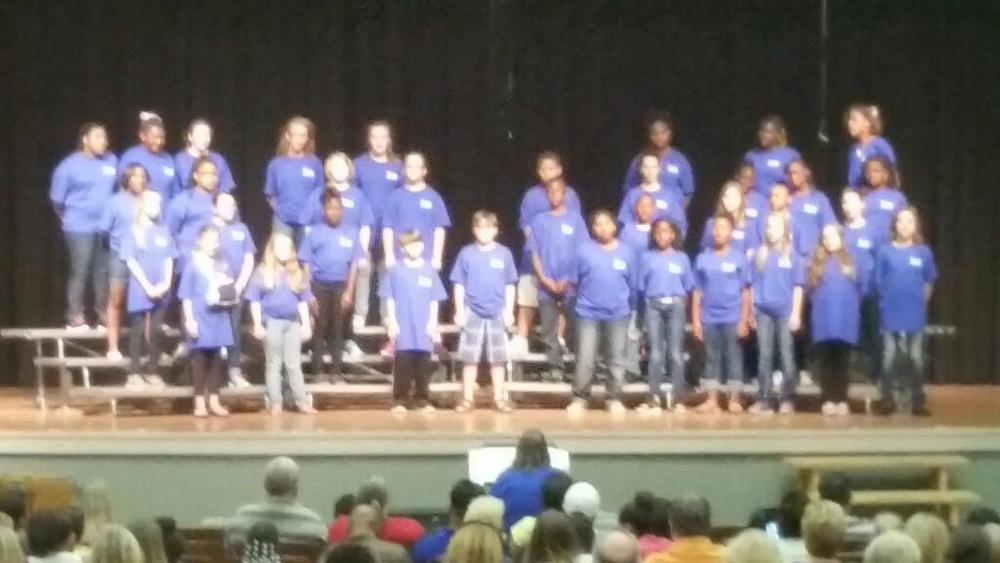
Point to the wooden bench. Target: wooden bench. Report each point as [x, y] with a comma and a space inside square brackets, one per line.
[938, 494]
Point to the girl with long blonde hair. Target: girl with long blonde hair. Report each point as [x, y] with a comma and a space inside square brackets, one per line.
[292, 175]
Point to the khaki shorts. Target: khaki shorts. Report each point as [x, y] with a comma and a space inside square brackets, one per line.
[527, 291]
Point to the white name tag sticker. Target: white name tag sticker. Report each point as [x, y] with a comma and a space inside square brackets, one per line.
[864, 243]
[847, 271]
[674, 268]
[673, 169]
[810, 208]
[860, 154]
[666, 300]
[239, 236]
[916, 262]
[346, 242]
[751, 213]
[660, 204]
[728, 267]
[308, 172]
[886, 205]
[161, 241]
[773, 163]
[785, 263]
[739, 235]
[426, 204]
[424, 281]
[348, 203]
[496, 263]
[566, 229]
[108, 170]
[168, 171]
[619, 264]
[390, 175]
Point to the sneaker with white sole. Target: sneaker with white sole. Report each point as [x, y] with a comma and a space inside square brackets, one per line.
[616, 407]
[398, 409]
[154, 381]
[358, 323]
[828, 408]
[352, 352]
[428, 408]
[760, 407]
[77, 327]
[786, 408]
[577, 406]
[114, 356]
[843, 409]
[517, 346]
[135, 382]
[237, 381]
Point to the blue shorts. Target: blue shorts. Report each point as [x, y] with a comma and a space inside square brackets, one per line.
[117, 269]
[483, 339]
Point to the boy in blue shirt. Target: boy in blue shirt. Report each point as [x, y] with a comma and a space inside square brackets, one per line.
[484, 276]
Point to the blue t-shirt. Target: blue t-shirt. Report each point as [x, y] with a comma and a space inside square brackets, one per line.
[881, 207]
[810, 213]
[859, 154]
[82, 186]
[184, 162]
[534, 203]
[186, 215]
[554, 239]
[413, 289]
[235, 242]
[521, 492]
[377, 180]
[901, 274]
[485, 274]
[862, 240]
[432, 547]
[757, 207]
[215, 329]
[119, 216]
[774, 283]
[152, 255]
[160, 166]
[745, 239]
[835, 310]
[329, 252]
[603, 280]
[636, 236]
[279, 302]
[675, 174]
[770, 166]
[289, 181]
[664, 274]
[357, 212]
[422, 210]
[721, 280]
[668, 206]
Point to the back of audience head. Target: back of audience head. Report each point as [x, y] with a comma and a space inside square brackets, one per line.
[836, 487]
[583, 525]
[824, 524]
[261, 542]
[887, 521]
[281, 478]
[760, 518]
[583, 498]
[475, 541]
[982, 515]
[374, 492]
[992, 531]
[790, 510]
[532, 451]
[364, 522]
[554, 490]
[752, 546]
[647, 514]
[76, 522]
[173, 543]
[14, 503]
[344, 505]
[462, 494]
[553, 539]
[970, 544]
[150, 538]
[95, 501]
[931, 534]
[690, 516]
[349, 553]
[617, 547]
[115, 544]
[10, 546]
[49, 531]
[892, 546]
[487, 510]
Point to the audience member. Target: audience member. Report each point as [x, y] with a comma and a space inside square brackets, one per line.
[931, 534]
[348, 553]
[261, 545]
[553, 539]
[892, 546]
[824, 524]
[584, 498]
[690, 524]
[648, 517]
[584, 528]
[293, 520]
[173, 543]
[982, 515]
[95, 501]
[475, 542]
[553, 493]
[50, 538]
[753, 546]
[992, 531]
[520, 486]
[789, 520]
[396, 529]
[364, 523]
[836, 487]
[115, 544]
[970, 544]
[617, 547]
[432, 546]
[486, 509]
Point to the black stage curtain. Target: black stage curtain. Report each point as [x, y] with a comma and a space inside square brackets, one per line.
[480, 86]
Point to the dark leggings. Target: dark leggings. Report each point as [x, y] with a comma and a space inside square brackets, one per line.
[137, 333]
[329, 334]
[207, 370]
[832, 359]
[412, 367]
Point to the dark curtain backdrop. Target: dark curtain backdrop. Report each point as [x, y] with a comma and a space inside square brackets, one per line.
[482, 85]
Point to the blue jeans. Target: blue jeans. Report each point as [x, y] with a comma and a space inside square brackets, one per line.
[87, 257]
[589, 334]
[665, 330]
[897, 346]
[283, 348]
[723, 357]
[769, 330]
[549, 310]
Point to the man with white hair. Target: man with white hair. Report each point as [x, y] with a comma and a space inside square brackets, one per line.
[892, 547]
[293, 520]
[583, 497]
[617, 547]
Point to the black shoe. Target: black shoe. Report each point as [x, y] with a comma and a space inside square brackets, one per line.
[885, 409]
[921, 411]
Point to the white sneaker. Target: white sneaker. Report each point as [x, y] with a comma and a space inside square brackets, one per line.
[352, 352]
[616, 407]
[100, 328]
[843, 409]
[77, 328]
[760, 407]
[517, 346]
[181, 351]
[828, 408]
[428, 408]
[114, 356]
[237, 381]
[786, 408]
[398, 409]
[358, 323]
[578, 406]
[154, 381]
[135, 382]
[805, 378]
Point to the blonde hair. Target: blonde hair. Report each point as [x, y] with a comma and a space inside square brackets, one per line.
[752, 546]
[931, 534]
[486, 510]
[870, 112]
[270, 267]
[486, 218]
[95, 503]
[824, 524]
[329, 162]
[892, 547]
[150, 538]
[116, 545]
[410, 237]
[783, 247]
[10, 546]
[475, 541]
[739, 216]
[820, 257]
[284, 146]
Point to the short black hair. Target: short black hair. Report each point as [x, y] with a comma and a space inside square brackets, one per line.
[48, 531]
[348, 553]
[790, 510]
[584, 531]
[983, 515]
[835, 487]
[76, 520]
[554, 489]
[344, 505]
[173, 543]
[14, 503]
[690, 516]
[970, 544]
[462, 494]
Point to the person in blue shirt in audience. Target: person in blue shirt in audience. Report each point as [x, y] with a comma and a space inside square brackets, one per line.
[378, 171]
[119, 216]
[151, 155]
[432, 547]
[771, 158]
[778, 274]
[199, 143]
[862, 243]
[837, 282]
[148, 251]
[744, 237]
[292, 175]
[331, 251]
[667, 204]
[665, 281]
[520, 485]
[905, 273]
[602, 277]
[553, 239]
[413, 292]
[239, 251]
[82, 186]
[883, 198]
[279, 304]
[721, 306]
[548, 167]
[484, 278]
[674, 174]
[864, 126]
[811, 209]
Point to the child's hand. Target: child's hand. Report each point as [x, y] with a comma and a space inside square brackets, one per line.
[259, 332]
[346, 301]
[460, 318]
[508, 318]
[305, 331]
[743, 329]
[561, 287]
[191, 328]
[794, 323]
[698, 331]
[433, 332]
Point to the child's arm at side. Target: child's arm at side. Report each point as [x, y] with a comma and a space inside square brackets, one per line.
[305, 331]
[390, 322]
[510, 295]
[140, 276]
[459, 296]
[432, 322]
[258, 322]
[438, 255]
[696, 328]
[389, 248]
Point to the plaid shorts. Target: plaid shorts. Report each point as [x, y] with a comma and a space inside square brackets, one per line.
[483, 339]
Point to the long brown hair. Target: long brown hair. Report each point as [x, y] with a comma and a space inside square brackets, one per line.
[918, 236]
[270, 268]
[389, 152]
[783, 248]
[283, 145]
[822, 255]
[739, 217]
[870, 112]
